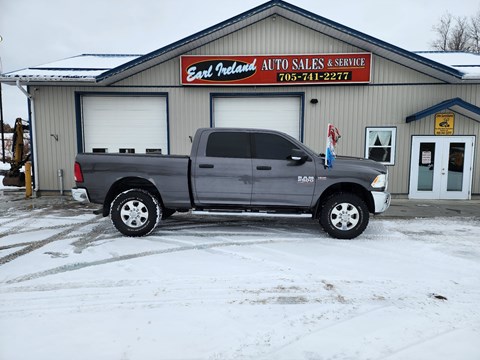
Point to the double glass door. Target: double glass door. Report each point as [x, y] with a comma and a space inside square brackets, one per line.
[441, 167]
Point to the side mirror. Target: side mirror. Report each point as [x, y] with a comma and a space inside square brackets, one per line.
[298, 155]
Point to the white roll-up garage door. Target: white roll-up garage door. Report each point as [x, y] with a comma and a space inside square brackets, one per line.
[280, 113]
[125, 124]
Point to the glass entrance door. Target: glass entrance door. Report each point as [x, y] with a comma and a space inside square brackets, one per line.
[441, 167]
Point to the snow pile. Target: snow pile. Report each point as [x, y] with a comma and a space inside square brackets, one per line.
[212, 287]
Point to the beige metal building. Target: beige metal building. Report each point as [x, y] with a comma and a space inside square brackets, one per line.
[274, 66]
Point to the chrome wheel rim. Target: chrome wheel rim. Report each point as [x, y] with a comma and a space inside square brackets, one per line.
[134, 213]
[344, 216]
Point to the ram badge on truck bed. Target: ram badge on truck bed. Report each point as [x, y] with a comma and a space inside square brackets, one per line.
[233, 169]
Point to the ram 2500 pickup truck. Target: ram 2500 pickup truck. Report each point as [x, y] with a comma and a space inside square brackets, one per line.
[233, 169]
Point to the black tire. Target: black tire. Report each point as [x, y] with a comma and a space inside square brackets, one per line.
[344, 216]
[135, 212]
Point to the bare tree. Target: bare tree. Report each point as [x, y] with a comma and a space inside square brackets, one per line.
[459, 37]
[443, 29]
[474, 32]
[456, 33]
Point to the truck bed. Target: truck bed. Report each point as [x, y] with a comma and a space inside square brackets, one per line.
[168, 173]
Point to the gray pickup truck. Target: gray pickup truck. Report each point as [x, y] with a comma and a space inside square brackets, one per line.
[233, 169]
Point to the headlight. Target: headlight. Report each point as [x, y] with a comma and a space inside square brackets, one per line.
[380, 181]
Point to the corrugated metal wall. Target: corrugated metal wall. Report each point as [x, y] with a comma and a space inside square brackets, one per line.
[54, 111]
[395, 93]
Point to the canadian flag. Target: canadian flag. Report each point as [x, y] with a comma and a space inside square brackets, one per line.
[332, 137]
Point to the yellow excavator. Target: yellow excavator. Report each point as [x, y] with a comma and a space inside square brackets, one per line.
[14, 176]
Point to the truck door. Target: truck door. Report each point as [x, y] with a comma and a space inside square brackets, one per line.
[277, 179]
[222, 170]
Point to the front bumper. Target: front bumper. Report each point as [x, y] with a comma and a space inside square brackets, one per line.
[80, 195]
[381, 200]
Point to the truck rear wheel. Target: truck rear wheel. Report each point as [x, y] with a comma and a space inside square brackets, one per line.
[344, 216]
[135, 212]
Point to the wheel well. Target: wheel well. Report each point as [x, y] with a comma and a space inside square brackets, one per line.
[353, 188]
[126, 184]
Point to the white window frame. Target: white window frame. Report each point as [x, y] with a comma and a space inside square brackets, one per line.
[393, 130]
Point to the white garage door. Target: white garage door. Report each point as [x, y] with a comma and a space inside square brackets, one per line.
[278, 113]
[125, 124]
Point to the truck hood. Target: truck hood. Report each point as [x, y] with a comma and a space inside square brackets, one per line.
[361, 163]
[346, 168]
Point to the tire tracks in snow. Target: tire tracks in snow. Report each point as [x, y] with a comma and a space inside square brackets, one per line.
[184, 226]
[20, 221]
[34, 245]
[82, 265]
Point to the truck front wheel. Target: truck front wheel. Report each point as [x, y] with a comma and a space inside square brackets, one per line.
[135, 212]
[344, 216]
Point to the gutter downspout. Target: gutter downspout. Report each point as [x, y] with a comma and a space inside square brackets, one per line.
[33, 133]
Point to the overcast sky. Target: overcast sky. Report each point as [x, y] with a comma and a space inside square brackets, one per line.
[35, 32]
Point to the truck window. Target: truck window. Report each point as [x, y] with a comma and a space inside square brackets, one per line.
[228, 144]
[273, 147]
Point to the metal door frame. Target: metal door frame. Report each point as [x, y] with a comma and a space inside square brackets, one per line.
[439, 189]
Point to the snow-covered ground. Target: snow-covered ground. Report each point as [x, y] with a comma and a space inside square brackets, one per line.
[212, 287]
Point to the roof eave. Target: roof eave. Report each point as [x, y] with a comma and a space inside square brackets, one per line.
[377, 46]
[189, 43]
[294, 13]
[456, 105]
[281, 8]
[43, 81]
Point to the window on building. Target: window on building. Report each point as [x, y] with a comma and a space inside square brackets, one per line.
[100, 150]
[126, 151]
[380, 144]
[272, 147]
[153, 151]
[229, 144]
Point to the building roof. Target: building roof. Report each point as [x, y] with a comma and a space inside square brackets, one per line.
[456, 104]
[108, 69]
[85, 68]
[465, 62]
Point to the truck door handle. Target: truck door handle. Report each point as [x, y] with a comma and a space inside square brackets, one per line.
[206, 166]
[264, 168]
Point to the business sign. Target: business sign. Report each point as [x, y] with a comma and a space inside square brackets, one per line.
[444, 123]
[275, 69]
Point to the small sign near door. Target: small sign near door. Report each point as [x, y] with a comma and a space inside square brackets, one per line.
[426, 157]
[444, 123]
